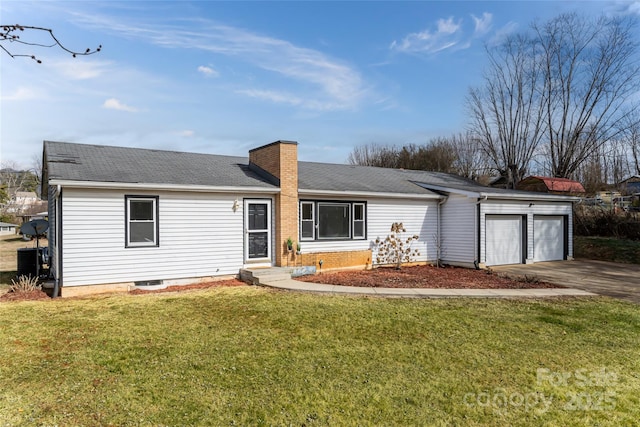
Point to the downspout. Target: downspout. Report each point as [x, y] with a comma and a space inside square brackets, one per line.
[56, 281]
[439, 232]
[476, 235]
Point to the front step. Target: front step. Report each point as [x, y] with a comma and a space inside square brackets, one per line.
[261, 276]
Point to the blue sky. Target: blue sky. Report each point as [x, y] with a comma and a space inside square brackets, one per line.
[224, 77]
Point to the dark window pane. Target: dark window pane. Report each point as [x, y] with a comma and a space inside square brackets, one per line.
[141, 210]
[358, 229]
[141, 232]
[258, 245]
[307, 229]
[257, 216]
[358, 212]
[307, 211]
[333, 221]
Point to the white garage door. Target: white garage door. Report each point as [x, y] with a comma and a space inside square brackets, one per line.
[548, 238]
[503, 239]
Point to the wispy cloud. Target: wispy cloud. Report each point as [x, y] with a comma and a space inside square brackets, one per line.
[502, 33]
[483, 23]
[187, 133]
[448, 34]
[76, 69]
[208, 71]
[273, 96]
[115, 104]
[21, 94]
[333, 81]
[629, 7]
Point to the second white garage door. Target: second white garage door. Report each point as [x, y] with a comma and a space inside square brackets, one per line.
[548, 238]
[503, 239]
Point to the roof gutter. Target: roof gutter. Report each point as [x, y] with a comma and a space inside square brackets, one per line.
[334, 193]
[509, 196]
[166, 187]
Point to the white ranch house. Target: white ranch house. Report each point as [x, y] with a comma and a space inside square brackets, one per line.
[120, 216]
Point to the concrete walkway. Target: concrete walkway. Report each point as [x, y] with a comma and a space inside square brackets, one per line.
[605, 278]
[280, 278]
[295, 285]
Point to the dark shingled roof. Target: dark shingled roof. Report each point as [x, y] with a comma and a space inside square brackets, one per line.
[329, 176]
[81, 162]
[98, 163]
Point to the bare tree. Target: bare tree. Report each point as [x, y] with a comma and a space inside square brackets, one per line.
[591, 71]
[506, 112]
[12, 34]
[630, 137]
[470, 162]
[457, 154]
[606, 165]
[384, 156]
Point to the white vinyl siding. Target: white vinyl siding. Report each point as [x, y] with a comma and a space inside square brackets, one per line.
[418, 216]
[200, 235]
[529, 210]
[458, 236]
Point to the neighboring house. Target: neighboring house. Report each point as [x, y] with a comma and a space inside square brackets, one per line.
[551, 185]
[6, 228]
[21, 202]
[498, 181]
[36, 212]
[124, 215]
[630, 185]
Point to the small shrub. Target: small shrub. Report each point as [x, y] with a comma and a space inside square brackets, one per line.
[24, 284]
[395, 249]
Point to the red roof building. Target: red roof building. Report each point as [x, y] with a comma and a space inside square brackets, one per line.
[547, 184]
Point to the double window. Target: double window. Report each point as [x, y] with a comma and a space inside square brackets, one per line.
[141, 221]
[332, 220]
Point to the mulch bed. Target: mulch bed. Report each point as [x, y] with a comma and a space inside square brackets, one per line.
[24, 296]
[426, 276]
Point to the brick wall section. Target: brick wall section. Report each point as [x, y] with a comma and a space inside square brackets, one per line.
[280, 159]
[336, 260]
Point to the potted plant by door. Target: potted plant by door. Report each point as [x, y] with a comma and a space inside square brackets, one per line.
[289, 244]
[298, 248]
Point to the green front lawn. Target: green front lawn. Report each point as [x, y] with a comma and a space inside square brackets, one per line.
[251, 356]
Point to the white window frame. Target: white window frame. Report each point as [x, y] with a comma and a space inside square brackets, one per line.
[312, 220]
[247, 231]
[315, 205]
[363, 221]
[129, 221]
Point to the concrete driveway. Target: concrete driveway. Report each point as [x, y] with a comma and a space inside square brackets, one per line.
[604, 278]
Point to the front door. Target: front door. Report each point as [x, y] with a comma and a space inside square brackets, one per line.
[257, 226]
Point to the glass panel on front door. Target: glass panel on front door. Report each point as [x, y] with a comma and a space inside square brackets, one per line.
[258, 245]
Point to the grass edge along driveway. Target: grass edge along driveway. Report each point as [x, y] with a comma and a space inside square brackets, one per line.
[252, 356]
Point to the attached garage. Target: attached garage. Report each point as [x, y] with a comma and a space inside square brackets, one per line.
[548, 238]
[504, 239]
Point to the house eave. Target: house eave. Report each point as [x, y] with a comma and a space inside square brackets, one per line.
[335, 193]
[503, 196]
[165, 187]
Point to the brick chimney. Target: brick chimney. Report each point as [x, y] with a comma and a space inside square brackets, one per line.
[280, 160]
